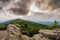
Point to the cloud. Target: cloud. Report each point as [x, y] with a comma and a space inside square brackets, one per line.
[48, 4]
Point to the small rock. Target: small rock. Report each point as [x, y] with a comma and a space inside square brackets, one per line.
[24, 37]
[39, 37]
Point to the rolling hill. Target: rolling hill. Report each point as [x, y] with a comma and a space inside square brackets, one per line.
[30, 28]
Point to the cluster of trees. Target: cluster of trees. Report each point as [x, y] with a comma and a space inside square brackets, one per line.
[29, 30]
[54, 26]
[3, 27]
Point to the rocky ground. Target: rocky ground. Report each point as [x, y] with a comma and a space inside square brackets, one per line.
[13, 33]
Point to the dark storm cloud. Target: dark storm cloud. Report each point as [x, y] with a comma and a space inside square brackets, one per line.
[23, 7]
[22, 4]
[5, 0]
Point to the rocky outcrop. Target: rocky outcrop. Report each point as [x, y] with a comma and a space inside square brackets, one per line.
[51, 34]
[13, 32]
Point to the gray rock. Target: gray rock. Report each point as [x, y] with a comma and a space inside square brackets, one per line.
[51, 34]
[39, 37]
[25, 37]
[31, 38]
[13, 32]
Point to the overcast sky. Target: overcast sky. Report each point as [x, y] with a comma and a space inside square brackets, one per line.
[37, 14]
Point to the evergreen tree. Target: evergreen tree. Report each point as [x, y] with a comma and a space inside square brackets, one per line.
[55, 24]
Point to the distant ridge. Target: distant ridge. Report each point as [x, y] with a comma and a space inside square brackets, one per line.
[42, 22]
[10, 21]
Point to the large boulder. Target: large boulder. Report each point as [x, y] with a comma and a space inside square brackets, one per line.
[13, 32]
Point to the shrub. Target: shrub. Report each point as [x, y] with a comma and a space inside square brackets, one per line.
[55, 24]
[32, 30]
[3, 27]
[50, 27]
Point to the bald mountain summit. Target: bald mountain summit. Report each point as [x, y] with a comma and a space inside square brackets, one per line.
[28, 27]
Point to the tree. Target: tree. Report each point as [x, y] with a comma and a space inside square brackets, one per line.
[55, 24]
